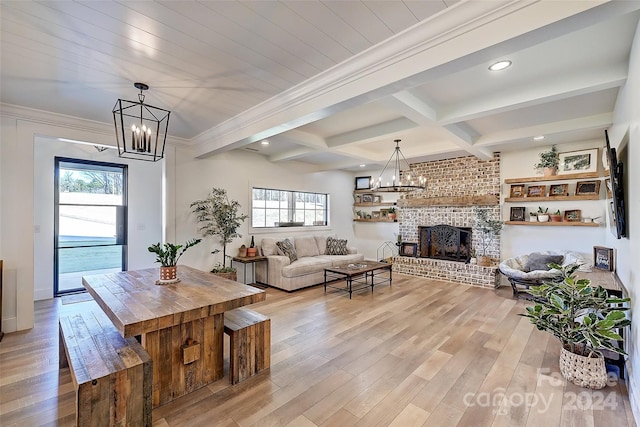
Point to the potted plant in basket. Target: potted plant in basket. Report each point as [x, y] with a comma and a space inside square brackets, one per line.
[488, 229]
[392, 213]
[548, 162]
[584, 318]
[168, 255]
[219, 216]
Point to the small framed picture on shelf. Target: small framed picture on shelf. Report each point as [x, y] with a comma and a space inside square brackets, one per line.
[607, 183]
[574, 215]
[377, 199]
[558, 190]
[588, 187]
[363, 182]
[384, 213]
[367, 198]
[517, 214]
[517, 191]
[578, 161]
[603, 258]
[375, 215]
[536, 190]
[408, 249]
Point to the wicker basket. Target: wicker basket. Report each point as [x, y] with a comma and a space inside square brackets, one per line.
[585, 371]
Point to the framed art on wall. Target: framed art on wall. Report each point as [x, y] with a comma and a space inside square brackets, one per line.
[603, 258]
[558, 190]
[408, 249]
[367, 198]
[536, 190]
[363, 182]
[517, 191]
[517, 214]
[578, 161]
[574, 215]
[588, 187]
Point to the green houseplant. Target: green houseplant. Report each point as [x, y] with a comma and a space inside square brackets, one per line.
[488, 229]
[168, 255]
[548, 161]
[584, 318]
[221, 217]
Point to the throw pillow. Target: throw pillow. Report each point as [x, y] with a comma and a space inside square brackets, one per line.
[288, 249]
[336, 246]
[538, 261]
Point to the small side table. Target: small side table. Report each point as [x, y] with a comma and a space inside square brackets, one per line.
[251, 260]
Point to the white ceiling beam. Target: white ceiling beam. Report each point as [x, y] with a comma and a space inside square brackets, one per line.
[560, 87]
[461, 30]
[424, 114]
[371, 133]
[598, 121]
[291, 154]
[302, 138]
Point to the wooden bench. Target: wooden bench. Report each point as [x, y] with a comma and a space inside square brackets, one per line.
[112, 375]
[250, 343]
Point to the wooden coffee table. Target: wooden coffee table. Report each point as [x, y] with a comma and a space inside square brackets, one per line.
[363, 274]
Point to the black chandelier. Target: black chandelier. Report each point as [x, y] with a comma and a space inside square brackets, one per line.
[399, 181]
[141, 129]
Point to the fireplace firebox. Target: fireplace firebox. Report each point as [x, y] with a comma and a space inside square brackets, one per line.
[444, 242]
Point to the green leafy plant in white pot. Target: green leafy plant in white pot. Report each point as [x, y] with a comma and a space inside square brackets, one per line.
[585, 319]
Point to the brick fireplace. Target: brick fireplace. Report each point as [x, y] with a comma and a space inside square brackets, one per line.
[455, 187]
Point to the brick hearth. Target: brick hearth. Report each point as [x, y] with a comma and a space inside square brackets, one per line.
[449, 271]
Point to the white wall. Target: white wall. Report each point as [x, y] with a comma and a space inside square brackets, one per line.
[237, 172]
[518, 240]
[625, 136]
[18, 191]
[144, 201]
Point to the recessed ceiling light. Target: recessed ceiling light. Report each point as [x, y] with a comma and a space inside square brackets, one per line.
[538, 138]
[264, 142]
[500, 65]
[362, 166]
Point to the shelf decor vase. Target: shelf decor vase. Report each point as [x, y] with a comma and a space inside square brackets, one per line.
[543, 218]
[549, 171]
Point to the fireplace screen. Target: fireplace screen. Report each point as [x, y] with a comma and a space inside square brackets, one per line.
[445, 242]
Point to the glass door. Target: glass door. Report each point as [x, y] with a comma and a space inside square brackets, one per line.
[90, 221]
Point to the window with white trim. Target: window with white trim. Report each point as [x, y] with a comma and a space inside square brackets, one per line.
[285, 208]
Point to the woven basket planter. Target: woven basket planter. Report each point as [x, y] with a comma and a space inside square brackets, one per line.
[589, 372]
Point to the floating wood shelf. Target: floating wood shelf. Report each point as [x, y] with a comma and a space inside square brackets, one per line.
[554, 224]
[582, 175]
[369, 205]
[553, 198]
[374, 220]
[484, 200]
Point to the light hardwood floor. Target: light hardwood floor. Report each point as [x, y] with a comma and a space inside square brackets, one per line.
[421, 353]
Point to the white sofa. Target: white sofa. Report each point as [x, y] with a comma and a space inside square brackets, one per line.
[307, 270]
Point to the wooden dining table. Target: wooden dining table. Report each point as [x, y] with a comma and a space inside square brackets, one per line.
[180, 325]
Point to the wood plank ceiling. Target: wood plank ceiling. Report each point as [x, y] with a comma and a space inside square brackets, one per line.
[331, 83]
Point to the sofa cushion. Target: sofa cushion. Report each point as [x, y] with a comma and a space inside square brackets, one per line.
[538, 261]
[304, 266]
[306, 246]
[336, 246]
[287, 248]
[341, 260]
[268, 246]
[321, 242]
